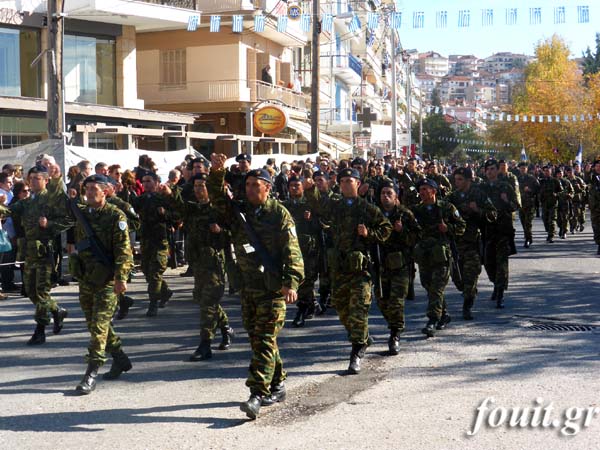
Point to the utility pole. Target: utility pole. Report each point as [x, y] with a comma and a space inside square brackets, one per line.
[408, 102]
[314, 99]
[56, 106]
[394, 96]
[421, 122]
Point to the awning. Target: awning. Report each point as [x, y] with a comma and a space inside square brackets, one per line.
[326, 143]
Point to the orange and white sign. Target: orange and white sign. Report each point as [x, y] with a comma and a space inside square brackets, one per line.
[270, 120]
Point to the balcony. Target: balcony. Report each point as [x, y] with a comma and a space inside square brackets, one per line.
[261, 91]
[346, 67]
[207, 6]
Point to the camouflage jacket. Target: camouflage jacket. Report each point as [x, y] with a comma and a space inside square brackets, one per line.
[475, 220]
[154, 226]
[533, 188]
[549, 190]
[133, 220]
[276, 230]
[405, 240]
[579, 189]
[567, 192]
[513, 181]
[429, 217]
[504, 225]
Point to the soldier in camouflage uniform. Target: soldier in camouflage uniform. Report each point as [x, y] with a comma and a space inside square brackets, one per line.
[205, 243]
[99, 284]
[550, 188]
[564, 203]
[156, 213]
[510, 178]
[355, 226]
[530, 188]
[577, 216]
[439, 222]
[307, 229]
[444, 186]
[594, 199]
[500, 234]
[476, 209]
[42, 216]
[395, 253]
[264, 293]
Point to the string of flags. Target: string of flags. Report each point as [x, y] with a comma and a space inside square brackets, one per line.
[476, 142]
[442, 19]
[506, 117]
[480, 150]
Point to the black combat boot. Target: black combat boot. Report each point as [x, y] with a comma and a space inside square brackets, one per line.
[358, 352]
[429, 328]
[411, 292]
[500, 299]
[444, 321]
[278, 394]
[152, 308]
[59, 317]
[120, 364]
[466, 311]
[39, 335]
[298, 321]
[394, 341]
[227, 335]
[494, 294]
[165, 298]
[314, 309]
[252, 406]
[88, 382]
[188, 272]
[202, 352]
[125, 302]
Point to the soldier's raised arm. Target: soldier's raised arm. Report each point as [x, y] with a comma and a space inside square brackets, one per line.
[216, 185]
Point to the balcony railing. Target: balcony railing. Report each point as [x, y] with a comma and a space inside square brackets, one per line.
[207, 6]
[261, 91]
[341, 61]
[185, 4]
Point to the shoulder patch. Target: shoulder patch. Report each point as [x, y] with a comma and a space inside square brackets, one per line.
[293, 231]
[122, 225]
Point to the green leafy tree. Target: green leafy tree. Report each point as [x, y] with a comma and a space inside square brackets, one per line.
[591, 61]
[436, 135]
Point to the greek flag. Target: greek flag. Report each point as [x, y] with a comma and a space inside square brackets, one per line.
[305, 23]
[396, 20]
[464, 18]
[583, 14]
[370, 38]
[372, 20]
[215, 24]
[354, 24]
[441, 19]
[523, 154]
[487, 17]
[259, 23]
[237, 25]
[327, 22]
[282, 23]
[511, 16]
[559, 15]
[535, 16]
[579, 156]
[193, 22]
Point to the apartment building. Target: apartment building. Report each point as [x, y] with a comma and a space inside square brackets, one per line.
[505, 61]
[432, 63]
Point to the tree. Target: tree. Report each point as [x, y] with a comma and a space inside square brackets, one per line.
[435, 98]
[591, 61]
[436, 132]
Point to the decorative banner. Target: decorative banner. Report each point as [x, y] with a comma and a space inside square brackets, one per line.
[305, 23]
[270, 120]
[215, 24]
[259, 23]
[282, 23]
[193, 22]
[237, 25]
[372, 21]
[354, 24]
[529, 118]
[327, 22]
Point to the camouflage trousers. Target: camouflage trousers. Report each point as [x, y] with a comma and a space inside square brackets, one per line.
[306, 290]
[208, 291]
[98, 305]
[154, 264]
[234, 276]
[577, 216]
[563, 217]
[497, 251]
[36, 277]
[391, 304]
[470, 267]
[263, 317]
[434, 278]
[549, 216]
[351, 298]
[526, 215]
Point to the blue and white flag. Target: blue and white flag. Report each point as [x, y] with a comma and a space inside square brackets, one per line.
[282, 23]
[370, 38]
[305, 23]
[259, 23]
[372, 20]
[579, 156]
[237, 25]
[193, 22]
[327, 22]
[215, 24]
[354, 24]
[396, 20]
[523, 154]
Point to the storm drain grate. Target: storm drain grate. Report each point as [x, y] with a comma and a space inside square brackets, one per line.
[560, 327]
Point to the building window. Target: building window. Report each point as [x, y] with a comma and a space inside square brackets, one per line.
[173, 69]
[18, 48]
[89, 70]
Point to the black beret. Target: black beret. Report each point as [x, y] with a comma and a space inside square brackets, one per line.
[464, 172]
[427, 182]
[199, 176]
[522, 164]
[38, 169]
[358, 162]
[490, 162]
[243, 157]
[295, 178]
[318, 173]
[388, 184]
[261, 174]
[112, 181]
[353, 173]
[96, 178]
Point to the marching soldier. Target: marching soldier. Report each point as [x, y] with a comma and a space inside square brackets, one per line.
[476, 209]
[440, 221]
[355, 225]
[269, 256]
[101, 265]
[594, 199]
[550, 188]
[510, 178]
[156, 213]
[530, 188]
[564, 203]
[577, 216]
[444, 186]
[395, 255]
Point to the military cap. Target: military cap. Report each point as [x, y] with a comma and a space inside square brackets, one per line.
[318, 173]
[522, 164]
[427, 182]
[96, 178]
[243, 157]
[261, 174]
[112, 181]
[568, 169]
[464, 172]
[490, 162]
[199, 176]
[148, 173]
[558, 170]
[8, 168]
[332, 173]
[38, 169]
[295, 178]
[352, 173]
[358, 161]
[388, 184]
[501, 161]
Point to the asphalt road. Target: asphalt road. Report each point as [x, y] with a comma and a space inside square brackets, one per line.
[426, 397]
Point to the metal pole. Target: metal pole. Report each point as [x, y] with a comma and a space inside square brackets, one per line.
[408, 104]
[394, 98]
[314, 101]
[421, 124]
[55, 104]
